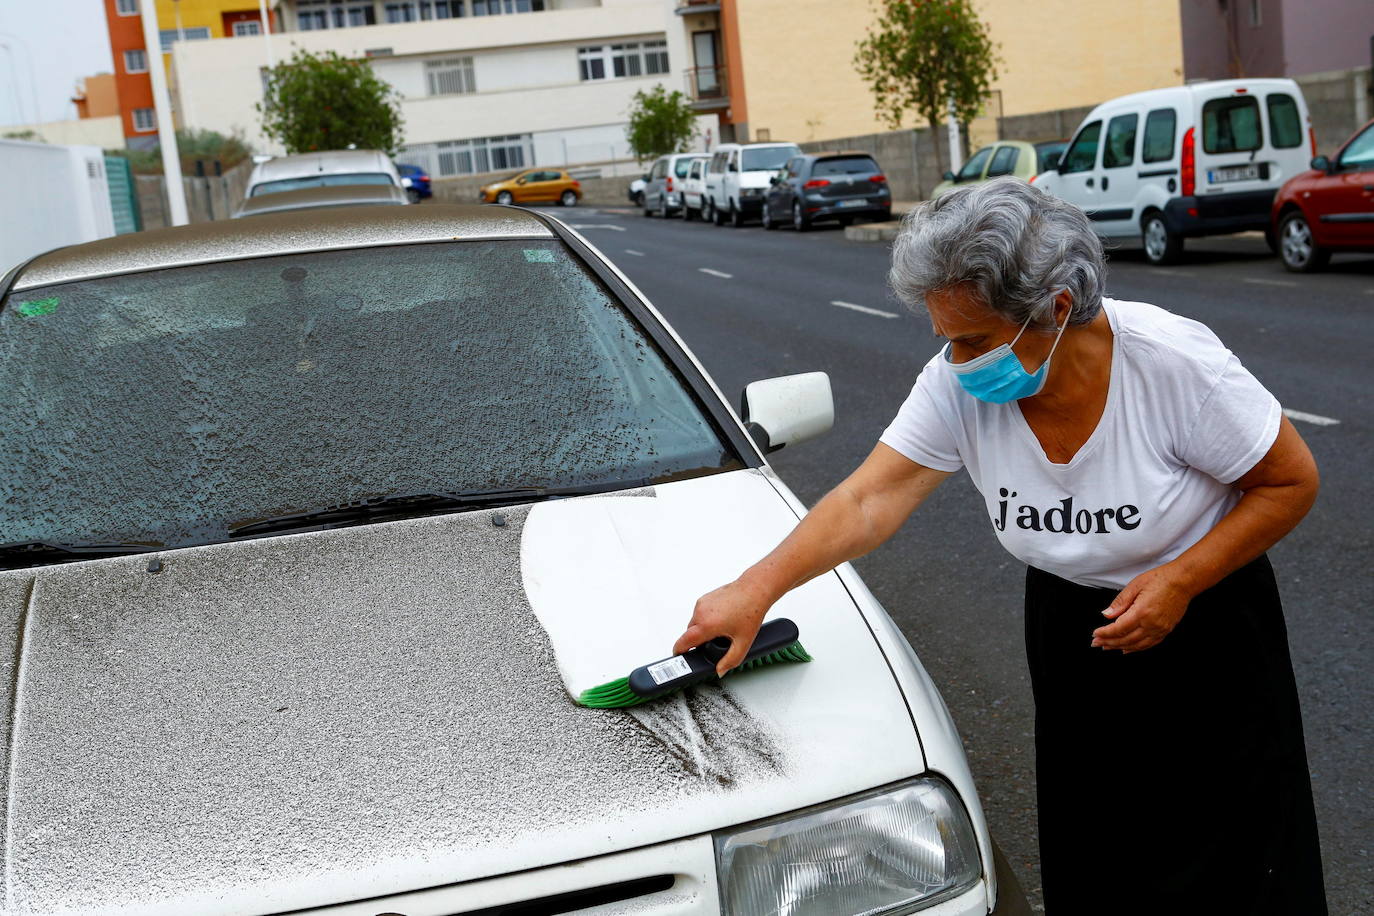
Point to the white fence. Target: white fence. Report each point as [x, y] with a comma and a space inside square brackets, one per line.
[50, 196]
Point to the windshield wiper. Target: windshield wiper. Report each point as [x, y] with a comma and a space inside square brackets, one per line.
[23, 554]
[401, 504]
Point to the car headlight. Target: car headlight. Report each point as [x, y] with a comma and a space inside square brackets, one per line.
[887, 852]
[751, 192]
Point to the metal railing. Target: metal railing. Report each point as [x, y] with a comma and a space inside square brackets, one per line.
[704, 83]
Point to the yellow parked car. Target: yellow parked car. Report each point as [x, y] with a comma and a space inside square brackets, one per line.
[1006, 157]
[533, 186]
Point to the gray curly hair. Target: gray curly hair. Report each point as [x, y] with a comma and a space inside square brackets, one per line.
[1017, 246]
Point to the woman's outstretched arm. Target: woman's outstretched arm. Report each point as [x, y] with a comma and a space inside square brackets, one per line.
[862, 512]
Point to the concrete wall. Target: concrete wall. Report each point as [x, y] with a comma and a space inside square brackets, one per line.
[223, 76]
[611, 191]
[207, 198]
[1339, 103]
[106, 132]
[802, 85]
[1324, 35]
[907, 158]
[53, 196]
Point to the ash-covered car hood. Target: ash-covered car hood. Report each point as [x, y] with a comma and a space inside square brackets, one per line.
[315, 718]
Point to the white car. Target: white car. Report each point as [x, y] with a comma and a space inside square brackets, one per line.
[662, 194]
[1202, 159]
[738, 177]
[320, 170]
[302, 632]
[694, 190]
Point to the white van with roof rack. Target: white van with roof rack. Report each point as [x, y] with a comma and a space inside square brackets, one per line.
[1188, 161]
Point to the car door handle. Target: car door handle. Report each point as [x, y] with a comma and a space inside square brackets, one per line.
[1090, 182]
[1105, 179]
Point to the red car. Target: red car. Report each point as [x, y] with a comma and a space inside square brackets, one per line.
[1328, 209]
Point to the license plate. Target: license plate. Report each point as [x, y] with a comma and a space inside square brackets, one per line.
[852, 203]
[1235, 173]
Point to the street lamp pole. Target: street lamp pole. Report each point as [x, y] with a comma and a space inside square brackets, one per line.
[162, 107]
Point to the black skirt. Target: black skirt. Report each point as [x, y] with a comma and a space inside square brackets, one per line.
[1172, 780]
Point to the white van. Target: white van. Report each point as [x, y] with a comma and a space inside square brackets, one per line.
[1195, 160]
[738, 176]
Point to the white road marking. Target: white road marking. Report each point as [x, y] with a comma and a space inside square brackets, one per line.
[1267, 282]
[638, 254]
[1309, 417]
[596, 226]
[865, 309]
[1170, 272]
[716, 273]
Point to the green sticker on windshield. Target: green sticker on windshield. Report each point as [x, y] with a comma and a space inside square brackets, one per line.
[37, 307]
[539, 255]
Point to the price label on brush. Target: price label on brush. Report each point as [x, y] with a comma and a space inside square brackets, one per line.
[668, 669]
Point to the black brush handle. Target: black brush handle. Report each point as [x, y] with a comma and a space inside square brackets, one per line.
[699, 664]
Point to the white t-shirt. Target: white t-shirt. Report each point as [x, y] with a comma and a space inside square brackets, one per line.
[1183, 420]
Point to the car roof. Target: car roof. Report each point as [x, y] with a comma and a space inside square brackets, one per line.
[332, 196]
[292, 232]
[831, 153]
[328, 162]
[1202, 88]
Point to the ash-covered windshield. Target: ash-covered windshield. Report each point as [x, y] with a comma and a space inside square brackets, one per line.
[164, 407]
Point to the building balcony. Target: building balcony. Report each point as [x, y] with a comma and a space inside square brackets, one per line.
[692, 7]
[707, 88]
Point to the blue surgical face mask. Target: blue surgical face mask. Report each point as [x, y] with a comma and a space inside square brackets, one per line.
[997, 376]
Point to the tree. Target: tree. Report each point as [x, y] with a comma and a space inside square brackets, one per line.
[319, 102]
[661, 122]
[922, 53]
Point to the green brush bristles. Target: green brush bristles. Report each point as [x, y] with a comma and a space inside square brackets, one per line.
[617, 693]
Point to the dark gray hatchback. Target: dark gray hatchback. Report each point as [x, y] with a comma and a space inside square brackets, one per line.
[841, 185]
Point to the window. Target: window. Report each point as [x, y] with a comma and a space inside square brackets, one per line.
[1359, 153]
[1119, 149]
[245, 27]
[973, 169]
[145, 119]
[402, 12]
[844, 165]
[167, 36]
[452, 76]
[308, 20]
[497, 7]
[681, 166]
[1003, 161]
[126, 7]
[627, 59]
[135, 61]
[717, 163]
[1231, 125]
[483, 154]
[327, 180]
[1159, 136]
[697, 169]
[1081, 155]
[313, 15]
[768, 157]
[441, 9]
[660, 169]
[591, 63]
[1285, 127]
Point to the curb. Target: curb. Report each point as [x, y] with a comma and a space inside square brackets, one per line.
[873, 232]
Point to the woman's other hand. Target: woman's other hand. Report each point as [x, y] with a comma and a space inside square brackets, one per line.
[1144, 612]
[735, 610]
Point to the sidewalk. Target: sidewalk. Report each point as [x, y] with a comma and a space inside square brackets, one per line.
[880, 232]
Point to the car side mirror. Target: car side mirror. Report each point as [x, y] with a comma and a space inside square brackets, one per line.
[948, 176]
[773, 179]
[1052, 162]
[788, 409]
[732, 167]
[1321, 164]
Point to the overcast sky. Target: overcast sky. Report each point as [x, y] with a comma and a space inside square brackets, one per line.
[53, 43]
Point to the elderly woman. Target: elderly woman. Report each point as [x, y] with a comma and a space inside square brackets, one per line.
[1140, 472]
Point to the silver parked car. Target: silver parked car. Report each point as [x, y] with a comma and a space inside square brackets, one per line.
[323, 169]
[346, 195]
[663, 187]
[313, 527]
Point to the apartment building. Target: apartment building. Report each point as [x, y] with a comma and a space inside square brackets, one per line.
[784, 69]
[178, 21]
[486, 85]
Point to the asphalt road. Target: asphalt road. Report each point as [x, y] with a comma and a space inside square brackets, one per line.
[754, 304]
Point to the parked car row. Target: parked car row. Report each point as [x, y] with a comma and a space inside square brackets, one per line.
[774, 182]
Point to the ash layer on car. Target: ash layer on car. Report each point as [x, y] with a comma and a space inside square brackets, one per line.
[263, 713]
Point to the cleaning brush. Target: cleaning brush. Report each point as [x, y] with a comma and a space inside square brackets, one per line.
[777, 641]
